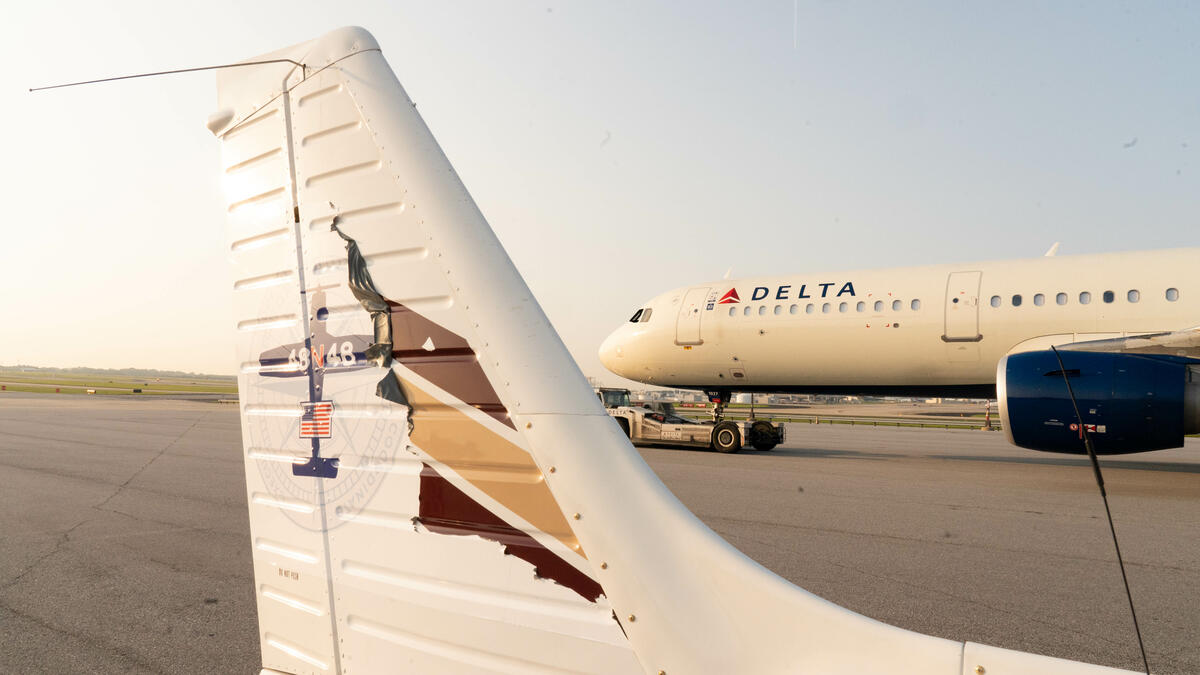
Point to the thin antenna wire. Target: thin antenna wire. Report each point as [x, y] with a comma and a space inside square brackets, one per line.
[1091, 451]
[173, 72]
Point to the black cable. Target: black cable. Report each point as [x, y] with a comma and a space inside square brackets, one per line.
[172, 72]
[1091, 451]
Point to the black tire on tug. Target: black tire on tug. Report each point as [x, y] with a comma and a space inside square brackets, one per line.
[624, 424]
[726, 437]
[763, 436]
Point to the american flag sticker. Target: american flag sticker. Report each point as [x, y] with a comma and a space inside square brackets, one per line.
[317, 420]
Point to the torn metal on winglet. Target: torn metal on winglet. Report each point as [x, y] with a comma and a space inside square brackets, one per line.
[363, 288]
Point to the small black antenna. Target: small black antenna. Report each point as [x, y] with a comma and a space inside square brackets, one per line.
[1091, 451]
[173, 72]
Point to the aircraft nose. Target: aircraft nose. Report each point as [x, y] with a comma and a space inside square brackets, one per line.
[612, 352]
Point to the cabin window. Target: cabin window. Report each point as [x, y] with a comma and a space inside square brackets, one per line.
[809, 308]
[1109, 296]
[861, 306]
[915, 305]
[843, 307]
[896, 305]
[1016, 300]
[646, 314]
[825, 308]
[636, 315]
[995, 301]
[1061, 298]
[794, 309]
[1133, 295]
[1085, 298]
[746, 312]
[1039, 299]
[1172, 294]
[732, 311]
[762, 309]
[878, 305]
[778, 310]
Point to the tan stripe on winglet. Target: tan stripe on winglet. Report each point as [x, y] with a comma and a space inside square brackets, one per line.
[491, 463]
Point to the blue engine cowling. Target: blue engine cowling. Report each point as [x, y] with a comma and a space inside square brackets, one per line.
[1128, 402]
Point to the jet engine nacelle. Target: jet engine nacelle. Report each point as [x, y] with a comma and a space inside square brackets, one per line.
[1127, 402]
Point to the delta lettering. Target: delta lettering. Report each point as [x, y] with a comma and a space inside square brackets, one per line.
[785, 292]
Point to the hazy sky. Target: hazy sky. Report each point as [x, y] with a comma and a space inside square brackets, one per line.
[618, 149]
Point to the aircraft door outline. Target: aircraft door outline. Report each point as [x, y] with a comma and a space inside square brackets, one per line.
[962, 307]
[687, 324]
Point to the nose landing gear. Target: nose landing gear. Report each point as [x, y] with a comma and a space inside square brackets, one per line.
[718, 399]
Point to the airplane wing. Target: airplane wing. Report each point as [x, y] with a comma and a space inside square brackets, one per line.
[463, 504]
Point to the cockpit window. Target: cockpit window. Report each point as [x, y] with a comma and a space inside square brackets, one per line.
[646, 314]
[636, 315]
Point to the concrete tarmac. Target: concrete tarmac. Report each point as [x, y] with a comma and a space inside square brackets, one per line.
[960, 535]
[124, 544]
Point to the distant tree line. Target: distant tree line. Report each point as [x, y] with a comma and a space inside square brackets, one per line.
[126, 372]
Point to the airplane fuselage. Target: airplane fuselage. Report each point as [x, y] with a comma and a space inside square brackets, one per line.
[933, 330]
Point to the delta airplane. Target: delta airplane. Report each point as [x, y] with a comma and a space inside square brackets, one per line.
[432, 485]
[942, 330]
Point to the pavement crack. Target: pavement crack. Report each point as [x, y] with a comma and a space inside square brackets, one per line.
[120, 652]
[61, 541]
[145, 466]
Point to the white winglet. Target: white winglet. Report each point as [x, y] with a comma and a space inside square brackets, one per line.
[432, 485]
